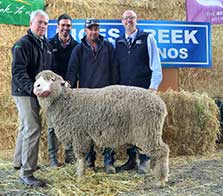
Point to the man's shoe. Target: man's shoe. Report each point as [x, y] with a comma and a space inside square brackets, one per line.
[32, 181]
[143, 167]
[89, 163]
[18, 167]
[90, 158]
[109, 160]
[53, 162]
[56, 165]
[131, 163]
[69, 156]
[110, 169]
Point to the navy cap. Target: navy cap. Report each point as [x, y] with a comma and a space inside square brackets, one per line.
[90, 22]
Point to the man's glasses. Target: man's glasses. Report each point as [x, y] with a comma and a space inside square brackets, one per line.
[128, 17]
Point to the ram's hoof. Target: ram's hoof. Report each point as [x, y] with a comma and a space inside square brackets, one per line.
[110, 169]
[79, 174]
[162, 182]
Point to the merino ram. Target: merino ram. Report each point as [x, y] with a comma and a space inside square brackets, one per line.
[108, 117]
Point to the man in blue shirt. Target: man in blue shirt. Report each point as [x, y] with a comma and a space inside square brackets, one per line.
[139, 65]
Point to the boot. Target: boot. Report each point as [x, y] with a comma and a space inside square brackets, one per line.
[52, 148]
[69, 155]
[143, 167]
[131, 163]
[90, 158]
[109, 160]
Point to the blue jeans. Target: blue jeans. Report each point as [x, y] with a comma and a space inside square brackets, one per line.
[27, 142]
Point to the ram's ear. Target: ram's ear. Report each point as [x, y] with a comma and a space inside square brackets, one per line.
[65, 84]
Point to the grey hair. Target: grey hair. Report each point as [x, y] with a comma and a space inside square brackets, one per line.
[38, 12]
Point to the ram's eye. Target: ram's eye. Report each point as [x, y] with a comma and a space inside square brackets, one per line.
[52, 79]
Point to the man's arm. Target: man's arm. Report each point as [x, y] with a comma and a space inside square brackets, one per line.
[155, 63]
[73, 68]
[20, 62]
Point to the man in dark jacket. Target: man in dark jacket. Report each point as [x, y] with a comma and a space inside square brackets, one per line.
[139, 63]
[31, 54]
[63, 44]
[93, 64]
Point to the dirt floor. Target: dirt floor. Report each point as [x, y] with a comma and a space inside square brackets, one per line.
[189, 176]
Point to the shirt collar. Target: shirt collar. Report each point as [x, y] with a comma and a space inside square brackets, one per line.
[62, 44]
[133, 35]
[88, 43]
[39, 38]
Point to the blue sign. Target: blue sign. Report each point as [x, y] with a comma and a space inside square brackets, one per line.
[181, 44]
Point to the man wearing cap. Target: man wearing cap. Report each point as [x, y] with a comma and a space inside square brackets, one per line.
[93, 64]
[139, 65]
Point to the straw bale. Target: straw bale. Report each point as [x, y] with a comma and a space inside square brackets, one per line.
[8, 123]
[192, 125]
[8, 117]
[207, 80]
[114, 8]
[9, 34]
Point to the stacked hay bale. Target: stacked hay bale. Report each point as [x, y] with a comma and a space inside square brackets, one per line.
[189, 79]
[8, 114]
[191, 126]
[206, 80]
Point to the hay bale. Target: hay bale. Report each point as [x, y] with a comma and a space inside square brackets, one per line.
[192, 125]
[10, 34]
[206, 80]
[8, 115]
[153, 10]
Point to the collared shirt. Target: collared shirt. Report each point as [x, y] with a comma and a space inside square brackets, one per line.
[154, 59]
[40, 39]
[133, 35]
[92, 47]
[62, 43]
[37, 37]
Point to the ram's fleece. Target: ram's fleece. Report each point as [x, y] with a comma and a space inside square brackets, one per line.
[109, 117]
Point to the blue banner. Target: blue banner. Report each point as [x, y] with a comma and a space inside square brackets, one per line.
[181, 44]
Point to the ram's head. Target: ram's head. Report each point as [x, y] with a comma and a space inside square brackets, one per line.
[48, 86]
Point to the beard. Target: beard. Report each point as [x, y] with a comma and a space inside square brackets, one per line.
[65, 33]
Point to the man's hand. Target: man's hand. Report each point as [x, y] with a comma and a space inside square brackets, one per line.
[152, 90]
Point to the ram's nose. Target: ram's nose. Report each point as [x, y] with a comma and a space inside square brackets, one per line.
[45, 93]
[39, 93]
